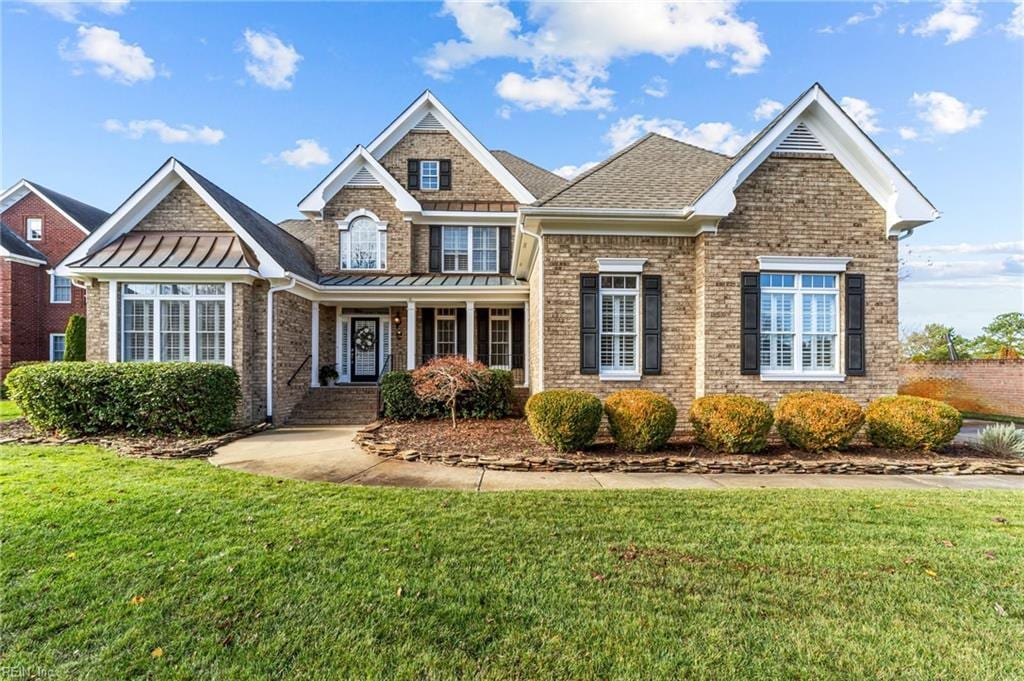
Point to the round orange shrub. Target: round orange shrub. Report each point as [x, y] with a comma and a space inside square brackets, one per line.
[815, 421]
[731, 423]
[640, 420]
[907, 422]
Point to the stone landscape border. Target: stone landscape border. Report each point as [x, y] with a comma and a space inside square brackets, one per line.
[371, 441]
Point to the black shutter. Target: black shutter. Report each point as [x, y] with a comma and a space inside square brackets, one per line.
[414, 174]
[460, 331]
[856, 359]
[504, 249]
[588, 324]
[518, 337]
[652, 324]
[427, 331]
[482, 351]
[435, 248]
[444, 170]
[750, 308]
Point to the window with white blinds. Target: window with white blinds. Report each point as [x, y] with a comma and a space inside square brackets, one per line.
[174, 322]
[799, 323]
[619, 325]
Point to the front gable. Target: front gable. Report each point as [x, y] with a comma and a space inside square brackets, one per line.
[182, 210]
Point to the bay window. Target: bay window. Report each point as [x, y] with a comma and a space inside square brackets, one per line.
[469, 249]
[363, 243]
[619, 325]
[799, 324]
[174, 322]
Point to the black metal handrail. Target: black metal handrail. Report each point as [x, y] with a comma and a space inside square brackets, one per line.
[304, 362]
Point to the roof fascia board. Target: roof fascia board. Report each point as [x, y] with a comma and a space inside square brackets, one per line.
[454, 217]
[21, 189]
[24, 260]
[408, 119]
[202, 274]
[359, 158]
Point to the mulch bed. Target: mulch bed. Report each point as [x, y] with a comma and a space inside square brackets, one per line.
[18, 431]
[508, 444]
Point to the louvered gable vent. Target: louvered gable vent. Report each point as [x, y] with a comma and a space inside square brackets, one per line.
[363, 178]
[802, 140]
[429, 123]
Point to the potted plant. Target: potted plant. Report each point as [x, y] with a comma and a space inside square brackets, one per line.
[328, 374]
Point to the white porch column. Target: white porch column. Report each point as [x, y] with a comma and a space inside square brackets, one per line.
[470, 330]
[410, 335]
[526, 344]
[113, 322]
[314, 361]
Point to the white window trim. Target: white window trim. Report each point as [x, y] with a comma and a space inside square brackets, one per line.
[384, 340]
[53, 289]
[157, 298]
[621, 265]
[798, 373]
[436, 176]
[28, 230]
[802, 264]
[620, 374]
[382, 241]
[470, 247]
[56, 335]
[451, 314]
[503, 314]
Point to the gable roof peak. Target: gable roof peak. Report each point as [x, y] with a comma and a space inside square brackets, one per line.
[84, 216]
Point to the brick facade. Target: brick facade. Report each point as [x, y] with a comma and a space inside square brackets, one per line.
[981, 386]
[182, 211]
[292, 345]
[327, 239]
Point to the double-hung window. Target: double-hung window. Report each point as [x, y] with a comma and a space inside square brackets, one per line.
[799, 324]
[174, 322]
[500, 338]
[60, 289]
[34, 229]
[469, 249]
[619, 325]
[430, 175]
[57, 347]
[445, 332]
[363, 244]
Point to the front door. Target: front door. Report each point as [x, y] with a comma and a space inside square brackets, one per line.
[364, 352]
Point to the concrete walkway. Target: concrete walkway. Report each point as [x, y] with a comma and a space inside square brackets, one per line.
[329, 454]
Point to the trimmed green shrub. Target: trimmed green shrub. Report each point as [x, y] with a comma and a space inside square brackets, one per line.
[74, 339]
[816, 421]
[493, 399]
[732, 424]
[565, 419]
[85, 398]
[640, 420]
[908, 422]
[399, 398]
[1001, 439]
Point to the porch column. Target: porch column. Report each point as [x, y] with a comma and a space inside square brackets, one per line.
[113, 321]
[410, 335]
[314, 360]
[526, 344]
[470, 330]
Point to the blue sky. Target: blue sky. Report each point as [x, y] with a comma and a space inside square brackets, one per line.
[263, 97]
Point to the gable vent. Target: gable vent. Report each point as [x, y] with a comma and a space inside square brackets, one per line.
[429, 123]
[802, 140]
[363, 178]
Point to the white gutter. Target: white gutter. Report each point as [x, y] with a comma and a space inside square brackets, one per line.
[270, 341]
[681, 213]
[540, 321]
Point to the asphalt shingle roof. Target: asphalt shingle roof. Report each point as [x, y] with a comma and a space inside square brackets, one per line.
[655, 172]
[537, 180]
[90, 217]
[15, 245]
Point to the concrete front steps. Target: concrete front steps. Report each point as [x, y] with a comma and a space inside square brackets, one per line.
[336, 405]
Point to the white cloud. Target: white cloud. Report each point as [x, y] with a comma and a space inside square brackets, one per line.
[554, 92]
[183, 134]
[70, 9]
[720, 137]
[766, 109]
[505, 111]
[958, 19]
[862, 113]
[1014, 26]
[576, 42]
[908, 133]
[980, 273]
[570, 171]
[307, 153]
[271, 63]
[945, 113]
[656, 87]
[996, 248]
[860, 17]
[112, 57]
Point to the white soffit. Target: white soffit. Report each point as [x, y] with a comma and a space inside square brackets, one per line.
[358, 167]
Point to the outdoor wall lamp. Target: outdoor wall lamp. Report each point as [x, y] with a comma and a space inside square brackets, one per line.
[397, 321]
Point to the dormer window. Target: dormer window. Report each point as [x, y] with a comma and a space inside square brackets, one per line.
[430, 175]
[363, 242]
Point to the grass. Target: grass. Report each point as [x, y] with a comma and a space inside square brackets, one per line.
[243, 576]
[991, 417]
[8, 410]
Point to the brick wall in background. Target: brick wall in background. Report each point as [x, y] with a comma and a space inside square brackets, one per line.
[983, 386]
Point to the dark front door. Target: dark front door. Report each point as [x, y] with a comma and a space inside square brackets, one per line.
[365, 354]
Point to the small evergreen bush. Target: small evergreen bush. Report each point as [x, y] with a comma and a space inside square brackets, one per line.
[565, 419]
[732, 424]
[816, 421]
[640, 420]
[74, 339]
[908, 422]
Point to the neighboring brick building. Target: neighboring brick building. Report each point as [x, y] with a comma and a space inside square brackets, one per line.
[39, 228]
[667, 266]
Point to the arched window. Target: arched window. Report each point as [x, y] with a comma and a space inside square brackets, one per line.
[363, 242]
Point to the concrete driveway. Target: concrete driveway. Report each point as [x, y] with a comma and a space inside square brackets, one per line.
[328, 453]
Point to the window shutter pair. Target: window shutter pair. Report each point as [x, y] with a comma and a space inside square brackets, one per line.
[590, 334]
[435, 248]
[444, 171]
[413, 180]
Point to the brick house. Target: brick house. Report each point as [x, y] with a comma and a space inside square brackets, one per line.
[666, 267]
[39, 228]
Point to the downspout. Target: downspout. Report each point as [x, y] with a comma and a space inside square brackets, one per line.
[540, 318]
[270, 343]
[906, 235]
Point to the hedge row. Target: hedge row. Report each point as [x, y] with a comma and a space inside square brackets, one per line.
[491, 400]
[87, 398]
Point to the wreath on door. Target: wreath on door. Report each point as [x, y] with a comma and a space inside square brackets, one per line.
[365, 339]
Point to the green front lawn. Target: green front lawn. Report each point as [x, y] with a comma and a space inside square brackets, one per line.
[8, 410]
[107, 559]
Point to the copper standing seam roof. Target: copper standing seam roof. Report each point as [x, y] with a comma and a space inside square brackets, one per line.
[478, 206]
[173, 249]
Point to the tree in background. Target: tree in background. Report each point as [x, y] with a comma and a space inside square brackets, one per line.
[930, 343]
[74, 339]
[1003, 338]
